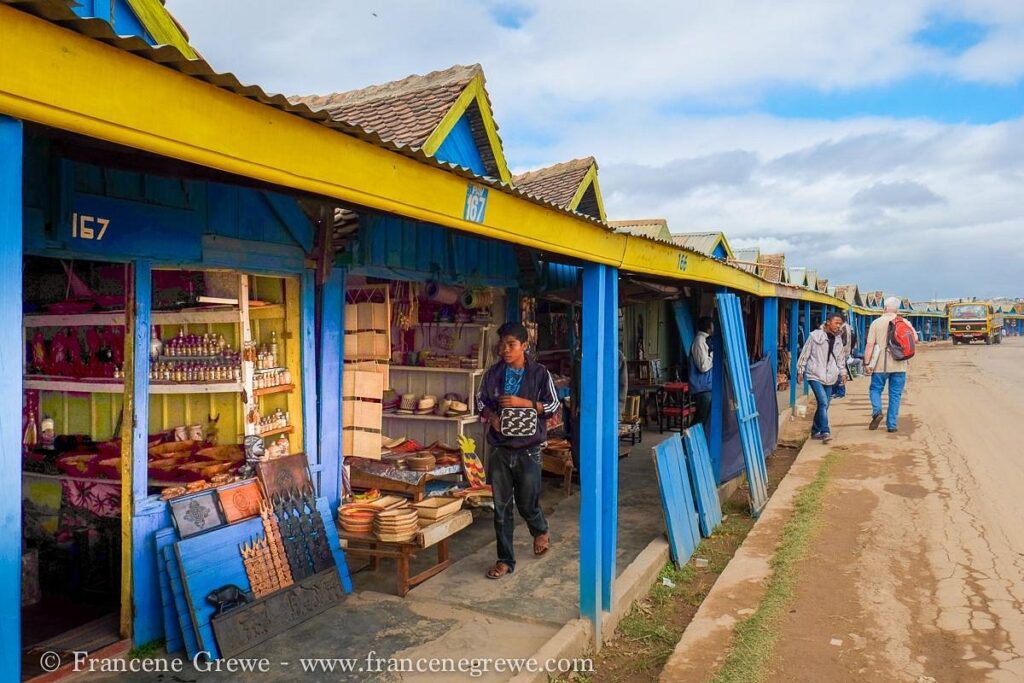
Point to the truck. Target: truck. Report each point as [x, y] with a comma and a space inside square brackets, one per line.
[975, 321]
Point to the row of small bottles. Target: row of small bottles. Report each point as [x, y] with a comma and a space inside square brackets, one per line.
[277, 420]
[271, 378]
[188, 345]
[227, 370]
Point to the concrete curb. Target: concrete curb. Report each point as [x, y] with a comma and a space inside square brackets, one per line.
[738, 591]
[574, 639]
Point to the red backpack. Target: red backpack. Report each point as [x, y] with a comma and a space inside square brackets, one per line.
[902, 339]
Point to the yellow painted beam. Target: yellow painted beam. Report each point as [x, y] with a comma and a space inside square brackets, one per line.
[59, 78]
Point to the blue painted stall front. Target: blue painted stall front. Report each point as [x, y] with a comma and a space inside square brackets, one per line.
[151, 221]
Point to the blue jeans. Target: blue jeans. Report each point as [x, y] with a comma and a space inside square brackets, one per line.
[897, 380]
[822, 396]
[514, 475]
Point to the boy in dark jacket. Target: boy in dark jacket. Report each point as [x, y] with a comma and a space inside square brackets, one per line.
[514, 465]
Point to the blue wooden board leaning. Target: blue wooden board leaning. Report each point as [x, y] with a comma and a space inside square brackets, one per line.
[172, 629]
[211, 560]
[698, 461]
[738, 364]
[188, 634]
[676, 499]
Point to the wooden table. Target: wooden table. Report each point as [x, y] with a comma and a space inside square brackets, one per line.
[438, 533]
[559, 462]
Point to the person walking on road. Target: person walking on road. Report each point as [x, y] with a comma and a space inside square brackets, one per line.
[701, 362]
[823, 360]
[883, 368]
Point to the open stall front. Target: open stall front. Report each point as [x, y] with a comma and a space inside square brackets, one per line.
[166, 319]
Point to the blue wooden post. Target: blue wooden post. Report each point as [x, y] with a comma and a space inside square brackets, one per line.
[717, 398]
[310, 417]
[10, 400]
[770, 340]
[332, 344]
[147, 516]
[794, 324]
[591, 431]
[807, 335]
[143, 274]
[610, 448]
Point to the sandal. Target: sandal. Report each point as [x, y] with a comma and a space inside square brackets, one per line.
[499, 570]
[541, 544]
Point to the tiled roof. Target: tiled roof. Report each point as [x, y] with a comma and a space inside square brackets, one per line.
[654, 228]
[773, 266]
[701, 242]
[558, 183]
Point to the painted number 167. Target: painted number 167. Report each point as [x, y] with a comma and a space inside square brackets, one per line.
[88, 227]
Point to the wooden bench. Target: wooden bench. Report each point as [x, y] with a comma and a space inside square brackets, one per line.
[438, 533]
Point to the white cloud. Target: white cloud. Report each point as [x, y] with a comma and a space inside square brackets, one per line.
[935, 204]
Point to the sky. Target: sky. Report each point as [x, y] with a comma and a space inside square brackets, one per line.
[881, 143]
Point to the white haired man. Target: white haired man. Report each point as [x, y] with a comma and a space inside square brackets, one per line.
[884, 368]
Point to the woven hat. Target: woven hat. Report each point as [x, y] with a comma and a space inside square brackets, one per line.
[408, 403]
[456, 408]
[426, 404]
[391, 401]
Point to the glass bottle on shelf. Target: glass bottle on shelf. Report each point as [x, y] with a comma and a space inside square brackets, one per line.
[156, 346]
[273, 347]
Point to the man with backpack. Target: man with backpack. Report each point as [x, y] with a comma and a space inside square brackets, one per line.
[890, 346]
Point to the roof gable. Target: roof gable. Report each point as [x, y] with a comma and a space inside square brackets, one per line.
[147, 19]
[653, 228]
[421, 112]
[570, 184]
[773, 267]
[711, 244]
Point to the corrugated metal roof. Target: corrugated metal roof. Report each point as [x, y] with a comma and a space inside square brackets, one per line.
[651, 228]
[58, 13]
[701, 242]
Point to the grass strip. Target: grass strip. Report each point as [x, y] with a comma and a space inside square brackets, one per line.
[754, 638]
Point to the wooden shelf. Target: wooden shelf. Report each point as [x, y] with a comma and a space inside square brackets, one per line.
[274, 432]
[452, 325]
[416, 368]
[100, 386]
[192, 316]
[464, 419]
[279, 389]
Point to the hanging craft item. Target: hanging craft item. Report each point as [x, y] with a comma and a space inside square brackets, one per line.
[442, 294]
[477, 298]
[471, 462]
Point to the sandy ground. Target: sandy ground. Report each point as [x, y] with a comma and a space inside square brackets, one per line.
[917, 573]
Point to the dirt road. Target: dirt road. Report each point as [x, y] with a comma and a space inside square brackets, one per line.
[917, 573]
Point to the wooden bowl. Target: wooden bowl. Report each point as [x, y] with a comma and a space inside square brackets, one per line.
[170, 449]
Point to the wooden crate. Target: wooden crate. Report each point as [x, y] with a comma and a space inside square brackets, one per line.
[361, 443]
[351, 318]
[362, 384]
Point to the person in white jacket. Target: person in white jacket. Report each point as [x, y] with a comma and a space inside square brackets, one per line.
[823, 360]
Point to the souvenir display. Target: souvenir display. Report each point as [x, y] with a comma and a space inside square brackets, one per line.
[284, 474]
[240, 500]
[196, 513]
